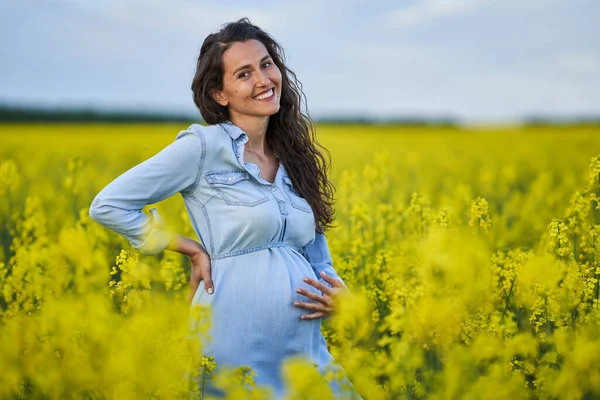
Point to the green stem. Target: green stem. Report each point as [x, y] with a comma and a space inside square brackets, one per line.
[546, 312]
[597, 287]
[512, 285]
[203, 382]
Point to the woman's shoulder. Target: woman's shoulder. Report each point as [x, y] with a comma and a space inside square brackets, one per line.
[212, 142]
[206, 133]
[207, 136]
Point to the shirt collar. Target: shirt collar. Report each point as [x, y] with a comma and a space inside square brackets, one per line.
[233, 130]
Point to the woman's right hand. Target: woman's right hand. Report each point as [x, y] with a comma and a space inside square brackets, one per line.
[200, 263]
[200, 272]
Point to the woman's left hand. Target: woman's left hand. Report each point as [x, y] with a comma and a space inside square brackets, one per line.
[325, 304]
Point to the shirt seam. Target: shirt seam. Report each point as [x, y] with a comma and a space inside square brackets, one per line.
[207, 218]
[200, 136]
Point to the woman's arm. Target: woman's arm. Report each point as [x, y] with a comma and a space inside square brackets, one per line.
[318, 255]
[119, 205]
[328, 281]
[184, 245]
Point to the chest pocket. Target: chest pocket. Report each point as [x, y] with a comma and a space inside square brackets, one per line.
[236, 188]
[297, 201]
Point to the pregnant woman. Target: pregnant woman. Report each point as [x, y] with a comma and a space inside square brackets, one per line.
[256, 191]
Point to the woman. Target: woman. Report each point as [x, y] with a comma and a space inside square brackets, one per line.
[256, 190]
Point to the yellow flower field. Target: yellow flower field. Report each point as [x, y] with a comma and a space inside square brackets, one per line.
[472, 256]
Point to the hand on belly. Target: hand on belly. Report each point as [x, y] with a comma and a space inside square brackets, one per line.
[325, 304]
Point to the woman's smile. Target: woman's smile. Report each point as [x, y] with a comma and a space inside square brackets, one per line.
[267, 95]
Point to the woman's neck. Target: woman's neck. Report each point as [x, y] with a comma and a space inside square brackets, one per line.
[256, 129]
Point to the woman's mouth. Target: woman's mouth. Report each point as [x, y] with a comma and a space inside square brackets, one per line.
[266, 96]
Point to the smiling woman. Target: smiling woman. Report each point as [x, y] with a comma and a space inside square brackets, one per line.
[257, 193]
[255, 87]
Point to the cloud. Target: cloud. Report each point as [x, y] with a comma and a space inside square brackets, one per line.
[582, 64]
[428, 10]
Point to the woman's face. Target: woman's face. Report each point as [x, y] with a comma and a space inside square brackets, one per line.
[251, 81]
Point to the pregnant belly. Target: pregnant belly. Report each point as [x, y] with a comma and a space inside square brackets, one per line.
[252, 309]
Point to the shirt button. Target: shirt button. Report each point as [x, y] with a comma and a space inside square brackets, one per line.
[229, 178]
[273, 189]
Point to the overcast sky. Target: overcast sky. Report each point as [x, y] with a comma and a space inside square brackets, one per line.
[473, 59]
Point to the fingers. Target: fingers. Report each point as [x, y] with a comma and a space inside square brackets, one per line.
[201, 271]
[315, 296]
[195, 283]
[311, 306]
[318, 285]
[207, 276]
[315, 315]
[331, 280]
[208, 285]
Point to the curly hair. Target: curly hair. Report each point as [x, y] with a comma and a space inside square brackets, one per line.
[290, 133]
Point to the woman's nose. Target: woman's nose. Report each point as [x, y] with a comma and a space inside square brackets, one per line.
[263, 79]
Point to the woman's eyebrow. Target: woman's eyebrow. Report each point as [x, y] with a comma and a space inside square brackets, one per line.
[248, 65]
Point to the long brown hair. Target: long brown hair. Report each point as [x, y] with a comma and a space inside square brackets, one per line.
[291, 133]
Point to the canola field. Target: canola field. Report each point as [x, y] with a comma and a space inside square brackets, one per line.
[472, 255]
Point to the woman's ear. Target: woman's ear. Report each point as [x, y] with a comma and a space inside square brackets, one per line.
[218, 96]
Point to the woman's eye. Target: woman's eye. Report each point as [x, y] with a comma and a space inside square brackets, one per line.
[267, 64]
[244, 74]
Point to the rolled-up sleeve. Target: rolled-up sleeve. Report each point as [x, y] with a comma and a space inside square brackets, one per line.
[318, 255]
[119, 205]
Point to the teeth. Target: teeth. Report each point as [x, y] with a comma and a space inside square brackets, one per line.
[265, 95]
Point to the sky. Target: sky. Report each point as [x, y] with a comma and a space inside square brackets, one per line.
[475, 60]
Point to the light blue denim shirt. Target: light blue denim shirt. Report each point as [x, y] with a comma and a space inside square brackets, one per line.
[260, 236]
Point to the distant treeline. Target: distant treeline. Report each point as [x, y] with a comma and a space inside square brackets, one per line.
[556, 121]
[26, 114]
[14, 114]
[445, 122]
